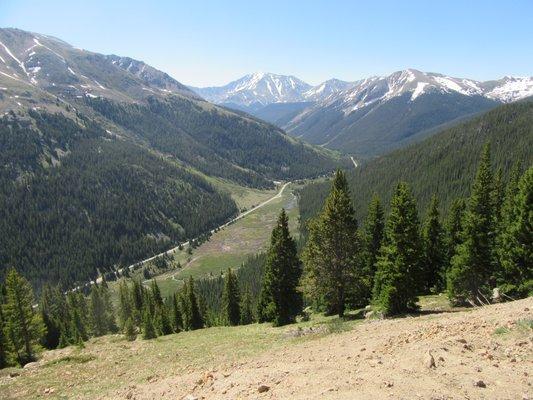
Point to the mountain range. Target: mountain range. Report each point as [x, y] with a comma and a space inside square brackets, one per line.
[370, 116]
[104, 159]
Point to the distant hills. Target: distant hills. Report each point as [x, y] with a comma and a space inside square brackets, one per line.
[371, 116]
[103, 159]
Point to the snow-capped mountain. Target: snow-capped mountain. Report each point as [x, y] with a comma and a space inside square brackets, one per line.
[417, 83]
[378, 114]
[256, 90]
[326, 89]
[36, 63]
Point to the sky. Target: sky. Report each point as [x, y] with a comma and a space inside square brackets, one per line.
[209, 43]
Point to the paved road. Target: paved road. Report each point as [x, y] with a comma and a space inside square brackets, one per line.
[238, 217]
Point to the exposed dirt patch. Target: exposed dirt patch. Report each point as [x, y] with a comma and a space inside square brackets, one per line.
[484, 353]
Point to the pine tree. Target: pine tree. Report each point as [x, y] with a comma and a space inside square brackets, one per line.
[149, 331]
[129, 330]
[472, 267]
[125, 310]
[247, 315]
[23, 326]
[373, 238]
[280, 301]
[196, 321]
[165, 325]
[398, 276]
[4, 350]
[516, 242]
[454, 229]
[177, 319]
[332, 252]
[498, 195]
[98, 317]
[434, 262]
[231, 299]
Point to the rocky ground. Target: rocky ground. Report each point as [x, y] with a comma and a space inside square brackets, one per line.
[484, 353]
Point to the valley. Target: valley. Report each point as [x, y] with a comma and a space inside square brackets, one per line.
[169, 230]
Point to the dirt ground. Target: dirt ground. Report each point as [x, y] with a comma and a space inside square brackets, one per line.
[484, 353]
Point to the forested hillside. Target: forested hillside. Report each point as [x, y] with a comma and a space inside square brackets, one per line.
[74, 200]
[215, 141]
[443, 164]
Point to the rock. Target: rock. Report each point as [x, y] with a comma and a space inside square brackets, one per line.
[190, 397]
[429, 361]
[369, 314]
[496, 297]
[14, 374]
[461, 340]
[480, 384]
[31, 365]
[263, 388]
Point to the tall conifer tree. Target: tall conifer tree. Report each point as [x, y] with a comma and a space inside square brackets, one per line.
[280, 301]
[434, 262]
[372, 240]
[23, 326]
[516, 251]
[332, 251]
[231, 299]
[399, 276]
[472, 268]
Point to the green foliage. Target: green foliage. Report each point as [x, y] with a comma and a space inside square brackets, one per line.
[279, 300]
[194, 320]
[23, 327]
[516, 251]
[373, 233]
[474, 264]
[129, 330]
[434, 257]
[216, 142]
[247, 313]
[332, 271]
[61, 224]
[231, 299]
[442, 164]
[398, 277]
[454, 229]
[148, 328]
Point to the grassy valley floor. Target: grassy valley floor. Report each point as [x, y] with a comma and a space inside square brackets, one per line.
[482, 353]
[232, 245]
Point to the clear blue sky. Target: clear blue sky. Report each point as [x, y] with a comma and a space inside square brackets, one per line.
[212, 42]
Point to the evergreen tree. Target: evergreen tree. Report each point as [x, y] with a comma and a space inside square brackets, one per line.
[149, 331]
[98, 317]
[231, 299]
[498, 195]
[177, 319]
[454, 228]
[23, 326]
[111, 324]
[434, 250]
[472, 268]
[125, 310]
[398, 276]
[247, 315]
[332, 251]
[4, 350]
[129, 330]
[516, 251]
[280, 301]
[373, 238]
[165, 325]
[196, 320]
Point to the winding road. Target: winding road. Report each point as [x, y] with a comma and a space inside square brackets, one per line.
[238, 217]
